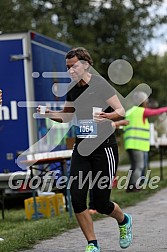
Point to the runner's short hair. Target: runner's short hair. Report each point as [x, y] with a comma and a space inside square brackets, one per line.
[81, 53]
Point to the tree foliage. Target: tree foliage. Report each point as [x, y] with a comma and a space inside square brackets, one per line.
[152, 70]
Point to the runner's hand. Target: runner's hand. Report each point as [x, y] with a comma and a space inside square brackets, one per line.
[46, 111]
[99, 117]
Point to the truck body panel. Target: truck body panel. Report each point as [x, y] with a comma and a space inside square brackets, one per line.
[22, 55]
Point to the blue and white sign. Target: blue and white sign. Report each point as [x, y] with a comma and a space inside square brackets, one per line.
[87, 129]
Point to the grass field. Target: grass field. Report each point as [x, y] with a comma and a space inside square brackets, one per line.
[20, 234]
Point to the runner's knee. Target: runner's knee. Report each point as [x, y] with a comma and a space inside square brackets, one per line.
[78, 206]
[105, 208]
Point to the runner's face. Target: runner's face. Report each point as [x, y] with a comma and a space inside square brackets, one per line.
[76, 68]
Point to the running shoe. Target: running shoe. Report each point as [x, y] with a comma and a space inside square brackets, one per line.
[92, 248]
[126, 233]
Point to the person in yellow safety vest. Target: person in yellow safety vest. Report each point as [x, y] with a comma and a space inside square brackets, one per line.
[137, 137]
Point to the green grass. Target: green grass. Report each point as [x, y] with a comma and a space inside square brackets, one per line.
[128, 199]
[20, 234]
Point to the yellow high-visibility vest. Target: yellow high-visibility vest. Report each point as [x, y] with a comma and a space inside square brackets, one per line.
[137, 132]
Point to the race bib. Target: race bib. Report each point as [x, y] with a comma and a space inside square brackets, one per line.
[87, 129]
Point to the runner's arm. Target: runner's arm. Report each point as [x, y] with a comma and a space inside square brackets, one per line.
[118, 112]
[63, 116]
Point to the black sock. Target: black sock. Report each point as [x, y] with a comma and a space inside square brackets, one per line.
[94, 242]
[124, 221]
